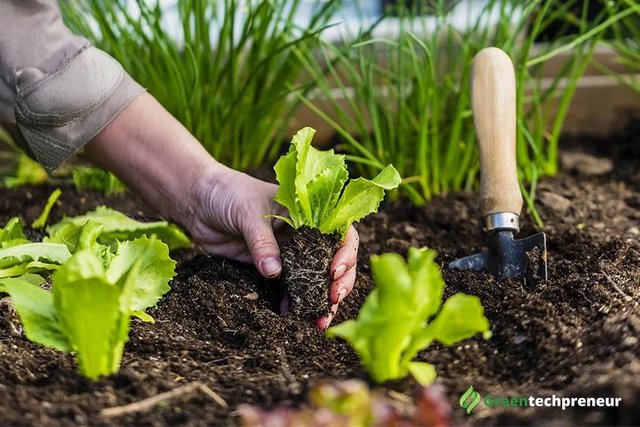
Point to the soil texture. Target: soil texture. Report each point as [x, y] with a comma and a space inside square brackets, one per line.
[577, 335]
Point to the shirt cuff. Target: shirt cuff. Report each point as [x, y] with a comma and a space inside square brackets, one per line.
[57, 114]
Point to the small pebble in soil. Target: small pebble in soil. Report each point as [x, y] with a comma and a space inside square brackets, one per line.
[585, 164]
[251, 296]
[555, 202]
[519, 339]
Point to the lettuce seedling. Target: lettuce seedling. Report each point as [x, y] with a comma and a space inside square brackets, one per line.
[89, 178]
[91, 301]
[19, 256]
[321, 209]
[98, 283]
[311, 187]
[85, 312]
[404, 314]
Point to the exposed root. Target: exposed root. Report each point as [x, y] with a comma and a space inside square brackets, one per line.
[615, 286]
[306, 261]
[290, 381]
[150, 402]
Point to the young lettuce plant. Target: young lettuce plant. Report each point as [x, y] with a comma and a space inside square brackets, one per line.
[106, 268]
[321, 209]
[90, 178]
[404, 314]
[85, 312]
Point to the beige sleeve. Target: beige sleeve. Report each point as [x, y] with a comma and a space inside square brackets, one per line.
[55, 88]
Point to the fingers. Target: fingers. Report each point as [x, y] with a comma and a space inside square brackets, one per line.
[236, 250]
[342, 286]
[324, 322]
[343, 273]
[263, 248]
[346, 257]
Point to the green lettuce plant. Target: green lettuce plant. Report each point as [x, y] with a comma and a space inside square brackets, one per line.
[90, 178]
[312, 187]
[102, 269]
[404, 314]
[84, 312]
[26, 171]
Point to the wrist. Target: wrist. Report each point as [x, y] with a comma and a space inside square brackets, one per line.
[156, 157]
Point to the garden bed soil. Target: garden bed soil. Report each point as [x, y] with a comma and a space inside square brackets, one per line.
[576, 335]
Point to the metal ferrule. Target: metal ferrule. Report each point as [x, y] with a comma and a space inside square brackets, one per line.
[502, 221]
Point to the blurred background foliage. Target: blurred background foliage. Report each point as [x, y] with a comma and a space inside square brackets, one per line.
[390, 77]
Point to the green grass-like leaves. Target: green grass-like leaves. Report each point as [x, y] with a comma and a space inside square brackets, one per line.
[406, 100]
[228, 78]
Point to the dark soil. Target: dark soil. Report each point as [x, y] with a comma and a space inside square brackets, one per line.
[306, 259]
[576, 335]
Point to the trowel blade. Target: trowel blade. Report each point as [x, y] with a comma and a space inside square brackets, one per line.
[534, 251]
[475, 262]
[507, 257]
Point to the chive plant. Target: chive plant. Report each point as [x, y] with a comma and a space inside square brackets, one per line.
[408, 98]
[625, 40]
[226, 75]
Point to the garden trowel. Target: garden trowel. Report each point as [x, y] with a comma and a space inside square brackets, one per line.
[494, 115]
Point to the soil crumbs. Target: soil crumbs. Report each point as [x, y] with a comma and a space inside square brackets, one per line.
[575, 336]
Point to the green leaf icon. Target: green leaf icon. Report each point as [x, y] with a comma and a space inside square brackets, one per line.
[473, 402]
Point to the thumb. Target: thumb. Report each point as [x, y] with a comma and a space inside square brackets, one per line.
[263, 248]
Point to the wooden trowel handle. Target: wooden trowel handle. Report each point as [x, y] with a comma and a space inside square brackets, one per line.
[494, 114]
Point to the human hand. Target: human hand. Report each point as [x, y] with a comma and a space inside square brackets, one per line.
[224, 210]
[228, 217]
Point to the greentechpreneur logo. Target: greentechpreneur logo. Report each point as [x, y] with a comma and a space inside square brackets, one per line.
[470, 399]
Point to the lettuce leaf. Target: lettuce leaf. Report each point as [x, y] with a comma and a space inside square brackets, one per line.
[35, 308]
[12, 234]
[85, 237]
[118, 226]
[53, 252]
[85, 312]
[155, 271]
[95, 288]
[94, 312]
[397, 319]
[89, 178]
[312, 187]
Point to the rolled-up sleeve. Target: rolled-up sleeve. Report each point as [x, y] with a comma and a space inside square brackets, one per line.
[55, 88]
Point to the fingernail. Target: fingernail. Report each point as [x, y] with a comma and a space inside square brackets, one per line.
[339, 271]
[341, 294]
[271, 266]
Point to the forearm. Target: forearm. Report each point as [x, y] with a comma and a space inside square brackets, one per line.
[155, 156]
